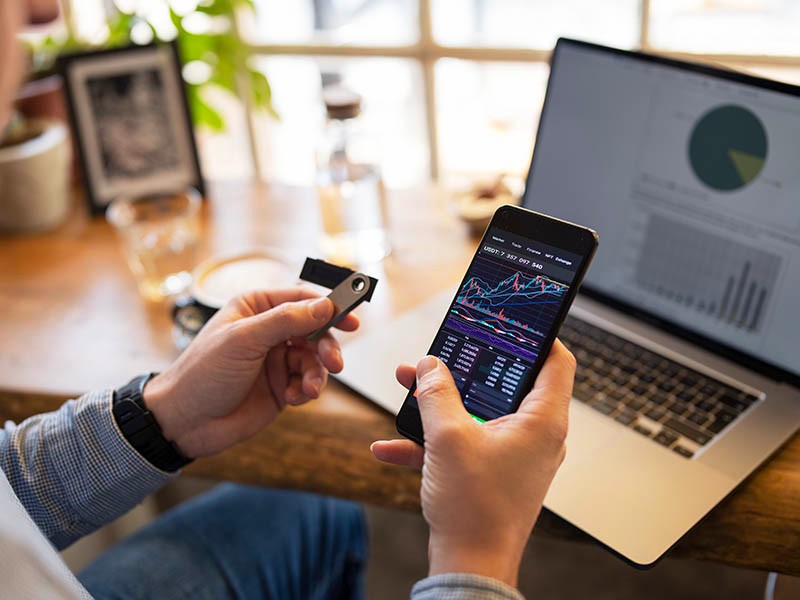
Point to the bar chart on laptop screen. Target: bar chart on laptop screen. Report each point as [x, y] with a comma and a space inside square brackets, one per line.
[718, 278]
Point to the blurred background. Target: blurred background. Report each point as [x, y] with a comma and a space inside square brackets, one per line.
[452, 91]
[452, 88]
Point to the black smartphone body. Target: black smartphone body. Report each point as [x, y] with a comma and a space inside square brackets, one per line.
[506, 315]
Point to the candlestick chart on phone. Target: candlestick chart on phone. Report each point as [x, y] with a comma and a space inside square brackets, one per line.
[509, 308]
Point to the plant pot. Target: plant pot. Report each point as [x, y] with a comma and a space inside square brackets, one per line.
[43, 99]
[35, 180]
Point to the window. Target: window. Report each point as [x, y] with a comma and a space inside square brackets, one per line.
[534, 23]
[480, 67]
[454, 88]
[760, 27]
[393, 115]
[334, 22]
[486, 114]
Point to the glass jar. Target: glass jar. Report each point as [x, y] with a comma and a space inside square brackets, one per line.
[349, 185]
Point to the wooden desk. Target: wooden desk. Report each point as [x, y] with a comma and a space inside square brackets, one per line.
[71, 320]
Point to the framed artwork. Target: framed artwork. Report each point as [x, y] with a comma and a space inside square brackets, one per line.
[131, 122]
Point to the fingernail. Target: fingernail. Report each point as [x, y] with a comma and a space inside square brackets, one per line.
[320, 308]
[316, 383]
[426, 365]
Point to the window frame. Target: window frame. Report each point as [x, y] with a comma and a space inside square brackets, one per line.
[427, 51]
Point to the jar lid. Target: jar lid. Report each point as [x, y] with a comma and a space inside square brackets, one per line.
[341, 102]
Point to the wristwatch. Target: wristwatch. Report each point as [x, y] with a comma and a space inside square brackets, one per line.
[141, 429]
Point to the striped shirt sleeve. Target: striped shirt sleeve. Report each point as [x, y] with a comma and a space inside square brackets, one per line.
[463, 586]
[73, 470]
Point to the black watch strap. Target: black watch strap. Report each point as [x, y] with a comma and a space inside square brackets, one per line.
[140, 428]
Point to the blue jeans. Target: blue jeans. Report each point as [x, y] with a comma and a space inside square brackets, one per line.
[239, 542]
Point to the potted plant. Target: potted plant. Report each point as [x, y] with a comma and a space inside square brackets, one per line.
[34, 174]
[207, 39]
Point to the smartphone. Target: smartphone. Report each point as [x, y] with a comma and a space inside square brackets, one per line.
[504, 319]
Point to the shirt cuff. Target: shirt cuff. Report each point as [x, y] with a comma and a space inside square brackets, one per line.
[102, 474]
[463, 586]
[129, 455]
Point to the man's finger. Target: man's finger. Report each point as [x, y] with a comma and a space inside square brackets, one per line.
[309, 367]
[406, 375]
[262, 300]
[349, 323]
[290, 319]
[295, 394]
[330, 353]
[399, 452]
[276, 373]
[553, 387]
[437, 395]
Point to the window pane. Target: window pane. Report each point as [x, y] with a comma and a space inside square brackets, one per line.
[392, 115]
[534, 23]
[487, 115]
[350, 22]
[785, 74]
[88, 19]
[726, 26]
[225, 155]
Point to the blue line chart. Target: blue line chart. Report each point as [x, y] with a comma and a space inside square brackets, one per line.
[513, 306]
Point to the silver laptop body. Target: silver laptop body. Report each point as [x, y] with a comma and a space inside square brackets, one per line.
[686, 173]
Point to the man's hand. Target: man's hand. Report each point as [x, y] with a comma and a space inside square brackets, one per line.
[483, 484]
[247, 363]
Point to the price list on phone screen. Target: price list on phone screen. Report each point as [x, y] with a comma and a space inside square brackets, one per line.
[489, 382]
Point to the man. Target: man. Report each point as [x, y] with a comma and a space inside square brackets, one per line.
[66, 473]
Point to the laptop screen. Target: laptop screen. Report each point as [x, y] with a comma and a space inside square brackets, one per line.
[691, 176]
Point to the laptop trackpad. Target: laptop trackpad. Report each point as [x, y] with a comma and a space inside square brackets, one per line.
[589, 431]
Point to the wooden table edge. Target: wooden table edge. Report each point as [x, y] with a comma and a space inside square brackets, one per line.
[342, 466]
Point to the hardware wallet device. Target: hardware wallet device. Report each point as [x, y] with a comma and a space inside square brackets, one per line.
[504, 319]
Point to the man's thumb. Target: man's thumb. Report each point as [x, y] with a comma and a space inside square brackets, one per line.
[437, 395]
[291, 319]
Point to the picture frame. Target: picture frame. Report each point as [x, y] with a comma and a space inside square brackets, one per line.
[131, 122]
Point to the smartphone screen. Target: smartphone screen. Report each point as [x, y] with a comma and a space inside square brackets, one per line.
[501, 320]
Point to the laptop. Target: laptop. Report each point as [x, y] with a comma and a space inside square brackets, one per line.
[686, 329]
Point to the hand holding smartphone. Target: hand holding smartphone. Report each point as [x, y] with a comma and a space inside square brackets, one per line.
[506, 315]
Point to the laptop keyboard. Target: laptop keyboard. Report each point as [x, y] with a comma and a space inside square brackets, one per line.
[673, 405]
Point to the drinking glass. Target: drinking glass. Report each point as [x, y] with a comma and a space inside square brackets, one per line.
[159, 235]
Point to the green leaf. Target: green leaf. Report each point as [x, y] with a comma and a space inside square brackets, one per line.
[226, 8]
[119, 29]
[176, 20]
[224, 76]
[204, 114]
[261, 90]
[196, 47]
[212, 11]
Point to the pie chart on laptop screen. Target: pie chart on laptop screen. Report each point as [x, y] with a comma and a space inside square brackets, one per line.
[728, 148]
